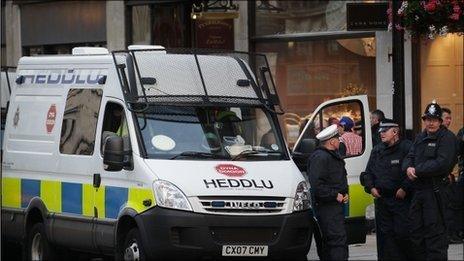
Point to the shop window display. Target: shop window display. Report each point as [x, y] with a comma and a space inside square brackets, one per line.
[308, 73]
[309, 67]
[287, 17]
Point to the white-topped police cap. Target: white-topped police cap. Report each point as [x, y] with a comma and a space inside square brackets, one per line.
[328, 133]
[387, 124]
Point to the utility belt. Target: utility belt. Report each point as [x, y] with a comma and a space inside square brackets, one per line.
[431, 183]
[324, 202]
[387, 193]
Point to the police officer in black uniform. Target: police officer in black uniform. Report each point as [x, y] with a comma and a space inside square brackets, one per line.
[460, 184]
[377, 116]
[389, 185]
[427, 165]
[327, 176]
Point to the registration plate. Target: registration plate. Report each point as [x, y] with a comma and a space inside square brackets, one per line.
[244, 250]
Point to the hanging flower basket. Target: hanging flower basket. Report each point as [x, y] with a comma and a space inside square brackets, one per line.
[430, 18]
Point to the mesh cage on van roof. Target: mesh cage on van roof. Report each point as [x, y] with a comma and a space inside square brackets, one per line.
[7, 78]
[193, 76]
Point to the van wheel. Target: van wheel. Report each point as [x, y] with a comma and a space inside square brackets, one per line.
[38, 247]
[132, 247]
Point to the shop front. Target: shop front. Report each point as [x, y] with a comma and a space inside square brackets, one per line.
[55, 27]
[182, 24]
[313, 57]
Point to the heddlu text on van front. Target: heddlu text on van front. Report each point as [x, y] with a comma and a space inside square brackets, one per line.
[238, 183]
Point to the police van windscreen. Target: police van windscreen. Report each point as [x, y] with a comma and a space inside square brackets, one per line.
[210, 133]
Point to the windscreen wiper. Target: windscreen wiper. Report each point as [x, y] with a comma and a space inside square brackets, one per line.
[247, 153]
[198, 154]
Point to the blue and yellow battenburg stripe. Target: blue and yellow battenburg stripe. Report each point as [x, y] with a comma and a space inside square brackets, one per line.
[359, 200]
[75, 198]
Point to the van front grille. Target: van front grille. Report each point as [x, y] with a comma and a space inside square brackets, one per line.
[243, 205]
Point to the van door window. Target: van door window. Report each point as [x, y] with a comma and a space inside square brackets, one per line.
[80, 121]
[115, 123]
[348, 116]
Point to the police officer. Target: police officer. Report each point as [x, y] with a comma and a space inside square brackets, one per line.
[327, 176]
[460, 182]
[376, 117]
[427, 165]
[389, 185]
[453, 194]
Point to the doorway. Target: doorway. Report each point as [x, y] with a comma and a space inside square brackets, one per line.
[441, 75]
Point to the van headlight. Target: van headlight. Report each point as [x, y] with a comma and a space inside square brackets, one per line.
[169, 196]
[370, 212]
[302, 197]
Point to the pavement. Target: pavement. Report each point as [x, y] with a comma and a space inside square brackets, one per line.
[368, 251]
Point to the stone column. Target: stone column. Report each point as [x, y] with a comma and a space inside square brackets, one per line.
[384, 90]
[115, 25]
[12, 33]
[241, 27]
[408, 95]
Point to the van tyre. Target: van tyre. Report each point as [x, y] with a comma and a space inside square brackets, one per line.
[38, 247]
[132, 249]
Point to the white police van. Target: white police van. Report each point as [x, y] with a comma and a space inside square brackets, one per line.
[144, 154]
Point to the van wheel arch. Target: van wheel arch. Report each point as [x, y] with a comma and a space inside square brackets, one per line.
[35, 221]
[36, 211]
[126, 222]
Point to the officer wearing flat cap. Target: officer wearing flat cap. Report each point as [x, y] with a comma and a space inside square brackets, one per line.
[327, 176]
[427, 165]
[391, 188]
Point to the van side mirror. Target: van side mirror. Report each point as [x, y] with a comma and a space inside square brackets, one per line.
[113, 155]
[303, 151]
[307, 146]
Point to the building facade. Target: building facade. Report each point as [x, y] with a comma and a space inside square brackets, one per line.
[312, 54]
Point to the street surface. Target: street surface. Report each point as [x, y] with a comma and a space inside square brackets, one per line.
[368, 251]
[357, 252]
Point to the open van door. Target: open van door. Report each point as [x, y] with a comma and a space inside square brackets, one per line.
[357, 108]
[7, 77]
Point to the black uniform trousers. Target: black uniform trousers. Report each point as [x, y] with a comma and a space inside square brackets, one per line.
[379, 236]
[331, 219]
[392, 219]
[453, 205]
[427, 225]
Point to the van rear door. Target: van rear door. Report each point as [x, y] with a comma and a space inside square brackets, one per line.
[357, 108]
